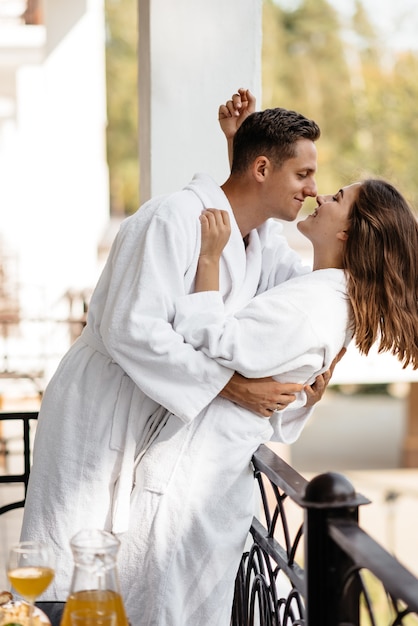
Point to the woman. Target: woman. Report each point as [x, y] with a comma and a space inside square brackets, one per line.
[366, 232]
[364, 285]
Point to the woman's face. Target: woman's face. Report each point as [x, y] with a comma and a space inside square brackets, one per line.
[330, 219]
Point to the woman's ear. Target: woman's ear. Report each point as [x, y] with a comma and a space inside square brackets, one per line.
[342, 235]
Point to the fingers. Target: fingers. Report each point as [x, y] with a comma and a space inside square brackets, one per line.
[311, 397]
[325, 378]
[227, 110]
[215, 218]
[241, 100]
[248, 100]
[321, 382]
[231, 108]
[315, 391]
[262, 396]
[285, 400]
[268, 412]
[215, 230]
[278, 406]
[278, 402]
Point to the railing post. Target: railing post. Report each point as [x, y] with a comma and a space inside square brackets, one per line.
[329, 496]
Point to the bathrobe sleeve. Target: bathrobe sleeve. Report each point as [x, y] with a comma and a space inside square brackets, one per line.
[291, 332]
[269, 337]
[145, 273]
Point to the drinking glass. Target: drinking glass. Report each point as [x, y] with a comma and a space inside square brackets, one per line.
[30, 570]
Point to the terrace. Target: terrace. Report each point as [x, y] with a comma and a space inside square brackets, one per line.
[286, 575]
[309, 561]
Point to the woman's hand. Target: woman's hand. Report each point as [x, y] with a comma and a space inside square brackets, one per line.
[232, 114]
[315, 391]
[216, 229]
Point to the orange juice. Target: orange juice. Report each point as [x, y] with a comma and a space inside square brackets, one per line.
[30, 581]
[105, 601]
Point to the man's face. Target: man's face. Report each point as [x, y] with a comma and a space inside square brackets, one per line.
[287, 187]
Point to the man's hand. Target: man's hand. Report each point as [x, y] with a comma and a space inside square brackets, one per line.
[260, 395]
[315, 391]
[235, 111]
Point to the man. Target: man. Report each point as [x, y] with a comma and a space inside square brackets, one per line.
[100, 410]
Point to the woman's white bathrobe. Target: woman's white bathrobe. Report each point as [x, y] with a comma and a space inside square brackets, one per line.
[195, 486]
[95, 414]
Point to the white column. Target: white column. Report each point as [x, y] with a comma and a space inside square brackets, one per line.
[193, 55]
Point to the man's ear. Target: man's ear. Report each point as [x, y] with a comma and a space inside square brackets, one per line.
[260, 168]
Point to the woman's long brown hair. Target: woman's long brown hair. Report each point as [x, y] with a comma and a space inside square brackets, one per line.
[381, 263]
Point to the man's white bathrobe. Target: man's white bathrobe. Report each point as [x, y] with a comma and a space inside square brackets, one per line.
[100, 409]
[195, 486]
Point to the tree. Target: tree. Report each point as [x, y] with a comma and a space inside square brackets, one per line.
[122, 104]
[310, 73]
[362, 95]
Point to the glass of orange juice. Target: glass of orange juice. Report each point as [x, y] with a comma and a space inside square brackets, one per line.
[30, 570]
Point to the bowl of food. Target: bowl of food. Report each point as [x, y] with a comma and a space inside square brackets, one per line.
[16, 613]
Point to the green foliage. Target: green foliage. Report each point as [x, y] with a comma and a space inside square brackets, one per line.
[382, 606]
[122, 104]
[363, 97]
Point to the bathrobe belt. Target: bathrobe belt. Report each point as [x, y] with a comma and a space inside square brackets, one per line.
[134, 408]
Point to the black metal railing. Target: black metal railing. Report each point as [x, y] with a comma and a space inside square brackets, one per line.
[348, 579]
[23, 477]
[323, 570]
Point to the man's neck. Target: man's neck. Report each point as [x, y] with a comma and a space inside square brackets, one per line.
[244, 206]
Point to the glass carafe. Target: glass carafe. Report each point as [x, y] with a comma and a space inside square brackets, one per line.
[95, 582]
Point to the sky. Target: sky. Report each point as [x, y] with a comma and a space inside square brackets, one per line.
[396, 20]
